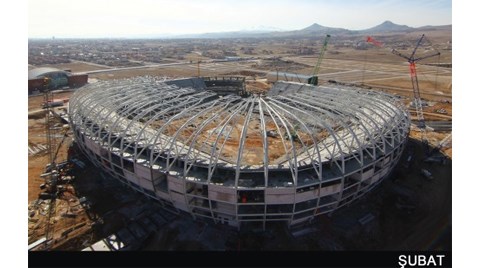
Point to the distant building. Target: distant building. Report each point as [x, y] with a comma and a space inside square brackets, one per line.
[232, 58]
[58, 79]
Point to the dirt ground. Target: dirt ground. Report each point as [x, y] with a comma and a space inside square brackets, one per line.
[35, 102]
[426, 223]
[36, 136]
[434, 138]
[70, 220]
[76, 66]
[426, 227]
[258, 86]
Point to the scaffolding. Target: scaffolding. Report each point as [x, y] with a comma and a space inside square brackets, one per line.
[51, 174]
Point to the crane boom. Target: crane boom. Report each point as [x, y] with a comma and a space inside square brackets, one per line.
[373, 41]
[416, 89]
[313, 80]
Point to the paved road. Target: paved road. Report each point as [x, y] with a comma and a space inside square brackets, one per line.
[341, 74]
[158, 66]
[133, 68]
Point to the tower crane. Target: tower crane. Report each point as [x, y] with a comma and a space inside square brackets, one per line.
[412, 60]
[313, 80]
[52, 175]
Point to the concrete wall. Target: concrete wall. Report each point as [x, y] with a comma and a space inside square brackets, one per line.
[279, 198]
[35, 84]
[225, 208]
[77, 80]
[222, 193]
[131, 177]
[143, 171]
[307, 195]
[146, 184]
[72, 82]
[175, 184]
[92, 146]
[330, 189]
[225, 198]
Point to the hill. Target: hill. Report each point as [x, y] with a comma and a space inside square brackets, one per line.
[317, 30]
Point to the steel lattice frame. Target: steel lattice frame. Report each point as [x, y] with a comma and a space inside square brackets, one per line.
[290, 155]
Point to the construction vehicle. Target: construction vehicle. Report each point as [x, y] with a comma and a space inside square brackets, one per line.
[412, 60]
[313, 80]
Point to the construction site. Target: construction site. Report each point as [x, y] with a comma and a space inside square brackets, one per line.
[247, 154]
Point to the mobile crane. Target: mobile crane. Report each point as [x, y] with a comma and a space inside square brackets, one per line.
[412, 60]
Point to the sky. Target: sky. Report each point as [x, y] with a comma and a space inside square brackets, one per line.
[130, 18]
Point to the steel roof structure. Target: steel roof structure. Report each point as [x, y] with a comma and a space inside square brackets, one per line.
[295, 135]
[42, 71]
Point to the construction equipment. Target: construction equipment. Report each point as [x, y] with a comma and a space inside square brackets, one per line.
[46, 83]
[412, 60]
[198, 67]
[51, 177]
[65, 135]
[313, 80]
[198, 63]
[435, 154]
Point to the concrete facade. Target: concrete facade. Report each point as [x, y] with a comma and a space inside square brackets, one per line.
[290, 155]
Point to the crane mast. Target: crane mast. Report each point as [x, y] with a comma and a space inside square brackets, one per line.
[412, 60]
[51, 178]
[313, 80]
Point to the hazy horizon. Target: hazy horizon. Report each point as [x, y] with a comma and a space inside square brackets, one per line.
[143, 18]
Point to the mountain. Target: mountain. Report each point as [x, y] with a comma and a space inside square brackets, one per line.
[270, 32]
[262, 29]
[388, 26]
[435, 28]
[316, 28]
[312, 30]
[251, 33]
[219, 35]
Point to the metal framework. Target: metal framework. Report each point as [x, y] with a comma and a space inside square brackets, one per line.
[51, 178]
[412, 60]
[294, 153]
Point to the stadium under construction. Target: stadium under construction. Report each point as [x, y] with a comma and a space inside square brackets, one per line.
[209, 148]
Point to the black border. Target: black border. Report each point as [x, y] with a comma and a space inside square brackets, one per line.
[227, 259]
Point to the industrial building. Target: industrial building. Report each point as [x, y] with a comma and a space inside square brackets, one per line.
[58, 79]
[290, 154]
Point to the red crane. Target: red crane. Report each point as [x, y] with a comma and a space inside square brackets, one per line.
[412, 59]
